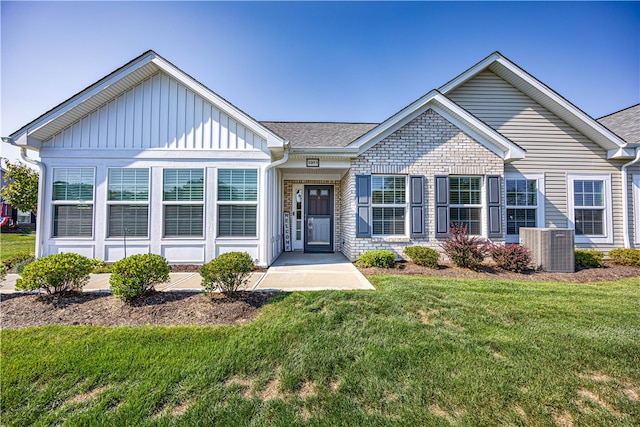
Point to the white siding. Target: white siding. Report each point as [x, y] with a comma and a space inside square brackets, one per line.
[162, 113]
[553, 147]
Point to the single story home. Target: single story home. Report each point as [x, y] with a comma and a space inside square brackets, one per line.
[147, 159]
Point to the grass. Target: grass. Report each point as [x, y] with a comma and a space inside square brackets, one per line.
[419, 351]
[11, 244]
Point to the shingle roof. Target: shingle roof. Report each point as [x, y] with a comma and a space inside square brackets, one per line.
[624, 123]
[319, 135]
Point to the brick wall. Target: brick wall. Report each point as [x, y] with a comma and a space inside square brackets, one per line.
[429, 145]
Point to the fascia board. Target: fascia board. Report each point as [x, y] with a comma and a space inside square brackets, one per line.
[83, 96]
[273, 140]
[349, 152]
[468, 74]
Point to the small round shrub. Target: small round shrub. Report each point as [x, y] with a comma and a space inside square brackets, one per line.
[136, 275]
[380, 258]
[510, 257]
[463, 250]
[628, 256]
[421, 255]
[589, 258]
[227, 272]
[56, 273]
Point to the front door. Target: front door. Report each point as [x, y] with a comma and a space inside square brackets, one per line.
[318, 231]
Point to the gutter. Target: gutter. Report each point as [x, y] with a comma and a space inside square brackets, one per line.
[41, 181]
[625, 199]
[265, 244]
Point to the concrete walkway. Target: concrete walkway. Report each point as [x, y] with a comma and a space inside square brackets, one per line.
[292, 271]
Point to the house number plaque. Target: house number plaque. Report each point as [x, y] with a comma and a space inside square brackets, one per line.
[313, 163]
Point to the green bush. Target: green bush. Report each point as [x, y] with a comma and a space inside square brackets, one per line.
[3, 271]
[463, 250]
[17, 258]
[589, 258]
[227, 272]
[421, 255]
[19, 267]
[136, 275]
[56, 273]
[510, 257]
[381, 258]
[629, 256]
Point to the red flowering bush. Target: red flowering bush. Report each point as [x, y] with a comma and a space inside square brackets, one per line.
[510, 257]
[463, 250]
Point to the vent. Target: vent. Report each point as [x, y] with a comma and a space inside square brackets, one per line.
[552, 248]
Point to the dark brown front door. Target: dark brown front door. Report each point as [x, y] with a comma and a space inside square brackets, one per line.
[318, 218]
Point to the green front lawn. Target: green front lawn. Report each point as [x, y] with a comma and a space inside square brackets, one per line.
[11, 244]
[416, 352]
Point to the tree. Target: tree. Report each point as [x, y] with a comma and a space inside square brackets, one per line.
[20, 188]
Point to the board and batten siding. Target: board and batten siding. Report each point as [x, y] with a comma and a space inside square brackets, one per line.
[552, 146]
[161, 113]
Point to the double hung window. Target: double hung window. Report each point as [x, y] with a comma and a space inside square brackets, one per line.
[388, 204]
[589, 207]
[237, 202]
[73, 202]
[128, 202]
[465, 202]
[183, 199]
[522, 204]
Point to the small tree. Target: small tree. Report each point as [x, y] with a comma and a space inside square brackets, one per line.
[20, 188]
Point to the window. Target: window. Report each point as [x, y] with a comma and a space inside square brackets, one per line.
[183, 199]
[590, 207]
[523, 204]
[24, 217]
[388, 204]
[128, 202]
[73, 202]
[237, 202]
[465, 202]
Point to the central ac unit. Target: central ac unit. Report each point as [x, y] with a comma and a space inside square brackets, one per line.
[552, 249]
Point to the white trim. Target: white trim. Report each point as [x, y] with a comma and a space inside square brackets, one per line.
[406, 206]
[202, 203]
[539, 177]
[109, 203]
[636, 206]
[55, 203]
[608, 208]
[255, 203]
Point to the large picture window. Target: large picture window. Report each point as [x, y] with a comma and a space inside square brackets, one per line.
[388, 204]
[465, 202]
[522, 204]
[590, 207]
[128, 202]
[237, 202]
[73, 202]
[183, 200]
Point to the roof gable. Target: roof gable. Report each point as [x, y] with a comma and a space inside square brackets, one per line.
[546, 97]
[118, 82]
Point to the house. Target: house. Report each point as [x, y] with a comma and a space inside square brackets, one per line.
[147, 159]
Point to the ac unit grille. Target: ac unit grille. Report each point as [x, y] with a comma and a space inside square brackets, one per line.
[552, 248]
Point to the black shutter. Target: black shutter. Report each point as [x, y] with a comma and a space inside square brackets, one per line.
[494, 204]
[416, 186]
[363, 204]
[442, 205]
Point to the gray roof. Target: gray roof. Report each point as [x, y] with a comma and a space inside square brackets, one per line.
[319, 135]
[624, 123]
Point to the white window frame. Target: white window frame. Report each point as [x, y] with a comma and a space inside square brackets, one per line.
[636, 206]
[79, 202]
[23, 214]
[607, 209]
[540, 221]
[166, 203]
[481, 206]
[129, 203]
[404, 205]
[238, 203]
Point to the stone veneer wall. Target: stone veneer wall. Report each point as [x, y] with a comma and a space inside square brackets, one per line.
[337, 205]
[429, 145]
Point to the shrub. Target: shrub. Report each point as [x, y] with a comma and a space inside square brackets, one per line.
[136, 275]
[463, 250]
[629, 256]
[510, 257]
[227, 272]
[421, 255]
[17, 258]
[589, 258]
[3, 271]
[381, 258]
[19, 267]
[56, 273]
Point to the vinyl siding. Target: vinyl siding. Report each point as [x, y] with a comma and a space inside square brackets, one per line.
[553, 147]
[161, 113]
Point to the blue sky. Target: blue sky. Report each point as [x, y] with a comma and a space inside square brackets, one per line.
[303, 61]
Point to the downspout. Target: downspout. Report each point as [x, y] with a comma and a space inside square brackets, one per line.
[39, 215]
[625, 200]
[265, 244]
